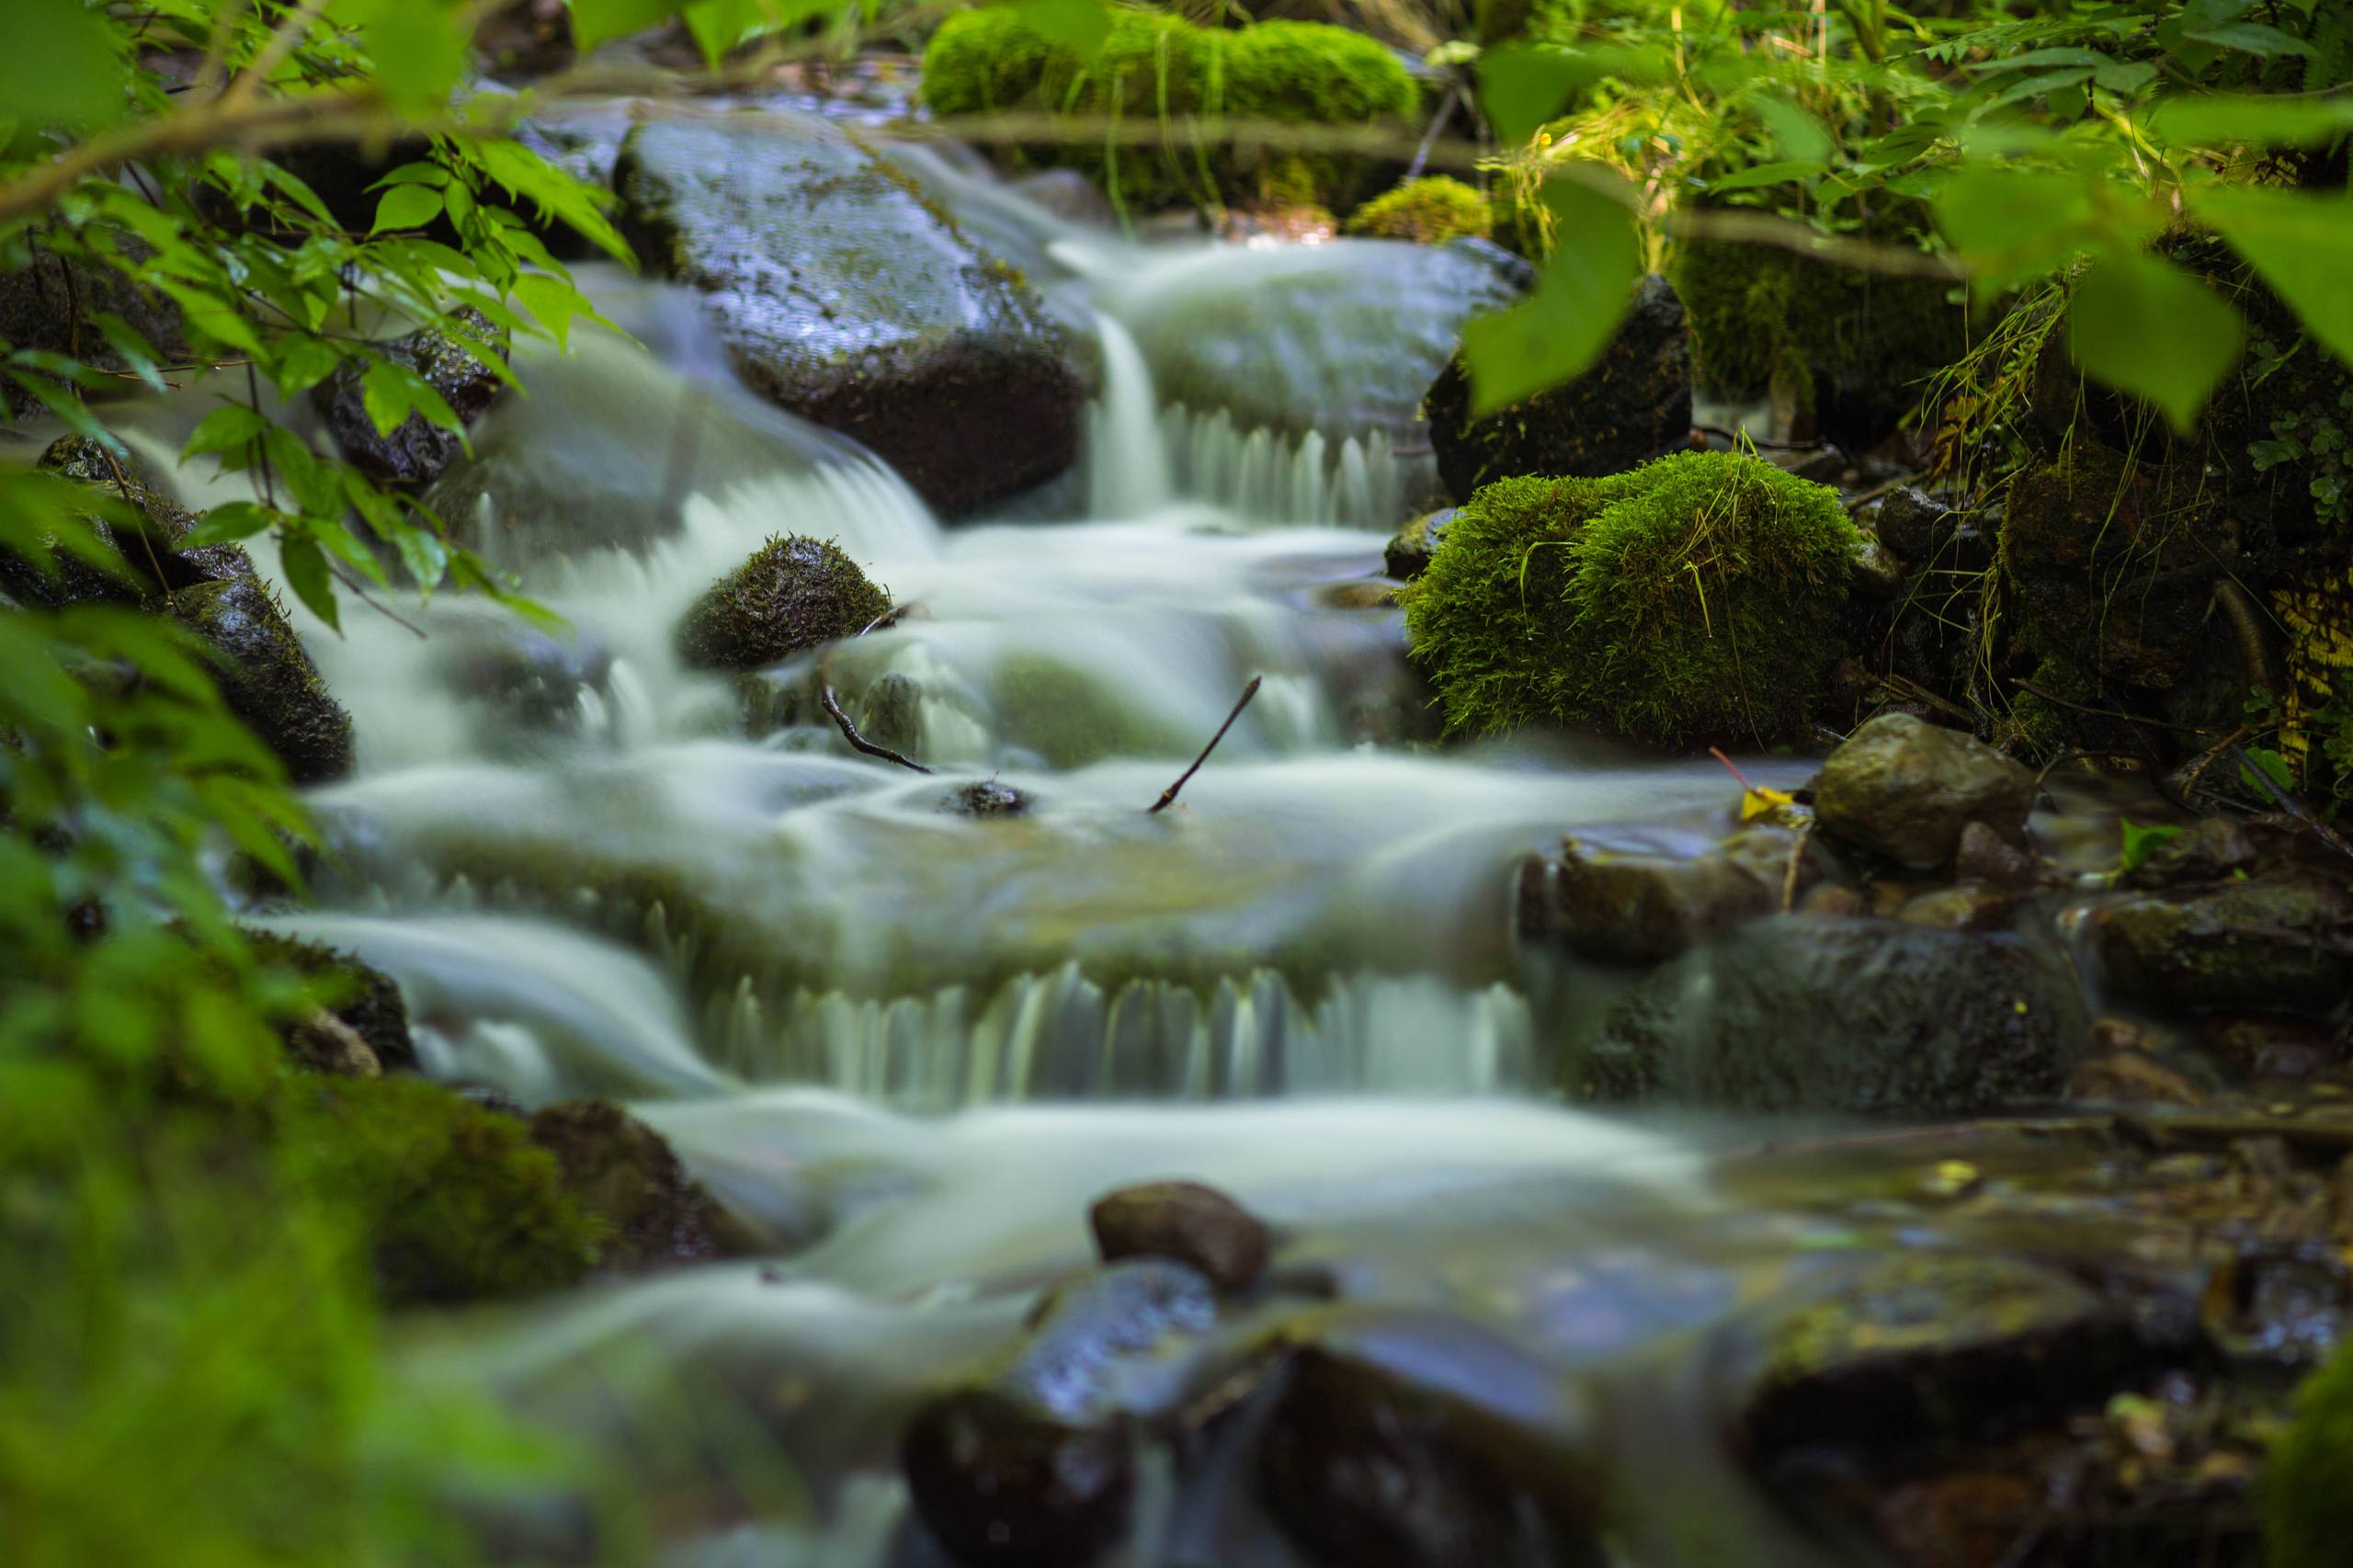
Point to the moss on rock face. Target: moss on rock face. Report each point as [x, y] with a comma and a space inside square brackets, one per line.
[1160, 67]
[456, 1203]
[1690, 600]
[2307, 1508]
[1428, 211]
[793, 595]
[1849, 348]
[366, 1000]
[267, 679]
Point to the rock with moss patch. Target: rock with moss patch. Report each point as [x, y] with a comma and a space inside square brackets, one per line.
[1798, 1012]
[1906, 788]
[985, 798]
[267, 679]
[2242, 946]
[149, 545]
[1638, 903]
[415, 451]
[1844, 351]
[2307, 1508]
[364, 999]
[1691, 600]
[625, 1175]
[844, 294]
[1408, 554]
[52, 305]
[456, 1202]
[1153, 64]
[1428, 211]
[793, 595]
[1633, 404]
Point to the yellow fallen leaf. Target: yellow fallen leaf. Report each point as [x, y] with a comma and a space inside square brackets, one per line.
[1756, 803]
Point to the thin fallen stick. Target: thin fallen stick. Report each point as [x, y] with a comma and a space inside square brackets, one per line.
[1168, 796]
[849, 733]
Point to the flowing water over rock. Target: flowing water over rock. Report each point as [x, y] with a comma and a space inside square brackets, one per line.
[907, 1045]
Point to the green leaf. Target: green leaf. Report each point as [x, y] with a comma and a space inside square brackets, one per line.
[1079, 25]
[1522, 86]
[720, 26]
[2302, 244]
[407, 207]
[231, 521]
[2011, 225]
[2125, 77]
[215, 319]
[1580, 297]
[2149, 328]
[595, 21]
[2216, 119]
[2140, 843]
[2031, 58]
[229, 427]
[419, 50]
[2253, 37]
[1796, 134]
[553, 300]
[306, 572]
[385, 396]
[59, 64]
[1768, 174]
[2273, 767]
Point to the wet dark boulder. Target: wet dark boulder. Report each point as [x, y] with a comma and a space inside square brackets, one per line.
[1905, 1350]
[2258, 946]
[415, 452]
[1814, 1014]
[1633, 405]
[2208, 850]
[1001, 1484]
[793, 595]
[267, 679]
[52, 304]
[1902, 788]
[1406, 555]
[1409, 1440]
[625, 1175]
[847, 295]
[987, 798]
[1184, 1222]
[1642, 906]
[1924, 531]
[149, 545]
[1981, 854]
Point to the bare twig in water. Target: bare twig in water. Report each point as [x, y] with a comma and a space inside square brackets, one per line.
[849, 733]
[1168, 796]
[890, 617]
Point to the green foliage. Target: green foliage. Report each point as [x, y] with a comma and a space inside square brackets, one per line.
[1430, 211]
[1688, 601]
[1158, 68]
[2139, 842]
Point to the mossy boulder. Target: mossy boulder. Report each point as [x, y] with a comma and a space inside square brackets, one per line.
[51, 303]
[795, 593]
[1633, 404]
[363, 999]
[415, 452]
[625, 1175]
[1688, 601]
[1796, 1013]
[267, 679]
[1428, 211]
[455, 1201]
[1844, 350]
[2307, 1508]
[1407, 555]
[149, 544]
[1156, 66]
[2244, 945]
[847, 295]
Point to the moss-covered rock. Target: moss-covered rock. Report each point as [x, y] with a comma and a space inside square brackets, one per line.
[1632, 405]
[1845, 348]
[795, 593]
[1428, 211]
[1153, 66]
[625, 1175]
[415, 452]
[364, 999]
[2307, 1508]
[2245, 945]
[1407, 555]
[267, 679]
[847, 295]
[50, 304]
[148, 544]
[455, 1201]
[1690, 600]
[1069, 718]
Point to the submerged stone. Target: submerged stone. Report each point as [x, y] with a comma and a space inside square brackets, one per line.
[1001, 1485]
[1634, 907]
[1407, 555]
[1870, 1017]
[848, 296]
[1633, 404]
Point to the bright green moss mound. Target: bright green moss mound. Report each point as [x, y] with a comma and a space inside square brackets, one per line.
[1428, 211]
[456, 1201]
[2307, 1507]
[1762, 316]
[1158, 67]
[1688, 601]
